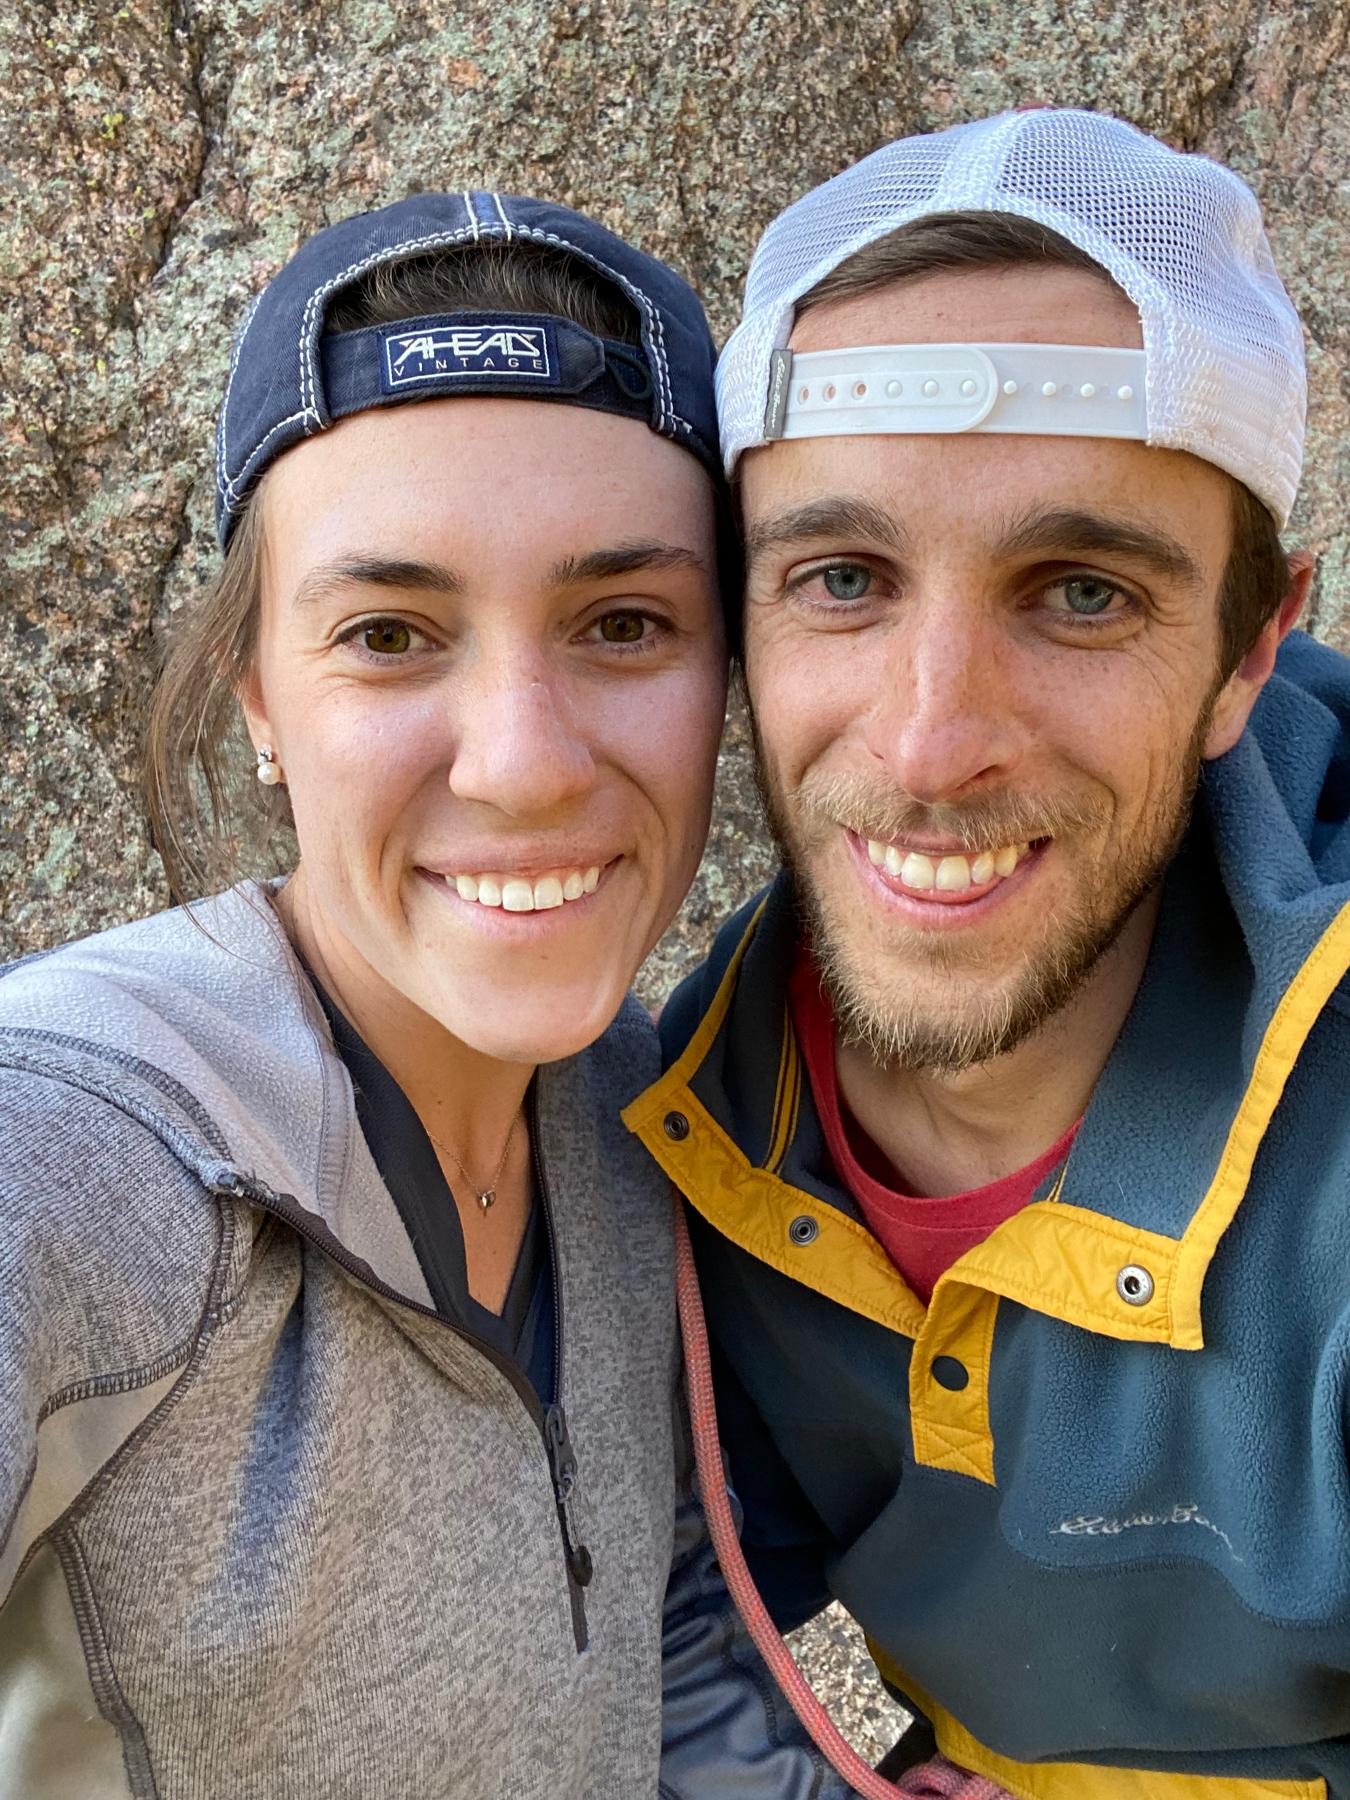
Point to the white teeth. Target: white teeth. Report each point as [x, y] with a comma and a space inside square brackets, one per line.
[952, 874]
[518, 894]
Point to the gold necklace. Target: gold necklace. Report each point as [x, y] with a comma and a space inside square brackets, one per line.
[486, 1195]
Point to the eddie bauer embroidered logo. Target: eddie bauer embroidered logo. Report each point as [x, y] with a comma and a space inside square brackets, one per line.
[1181, 1514]
[500, 350]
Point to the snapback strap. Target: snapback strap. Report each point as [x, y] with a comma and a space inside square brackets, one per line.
[1040, 390]
[534, 356]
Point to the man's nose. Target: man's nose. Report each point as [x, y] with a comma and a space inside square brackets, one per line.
[519, 746]
[943, 715]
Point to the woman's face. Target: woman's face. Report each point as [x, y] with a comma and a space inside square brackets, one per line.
[491, 667]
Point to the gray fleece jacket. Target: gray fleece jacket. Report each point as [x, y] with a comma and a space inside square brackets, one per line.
[268, 1526]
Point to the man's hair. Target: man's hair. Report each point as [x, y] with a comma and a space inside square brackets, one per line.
[1256, 575]
[209, 819]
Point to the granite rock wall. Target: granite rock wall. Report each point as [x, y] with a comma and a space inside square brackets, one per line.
[164, 156]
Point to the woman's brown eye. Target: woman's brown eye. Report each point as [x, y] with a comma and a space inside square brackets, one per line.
[622, 627]
[387, 637]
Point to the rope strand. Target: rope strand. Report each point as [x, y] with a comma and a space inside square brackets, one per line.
[935, 1780]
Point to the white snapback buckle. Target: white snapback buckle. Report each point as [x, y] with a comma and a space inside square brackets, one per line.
[1042, 390]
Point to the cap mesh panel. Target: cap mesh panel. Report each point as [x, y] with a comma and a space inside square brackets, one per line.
[1180, 234]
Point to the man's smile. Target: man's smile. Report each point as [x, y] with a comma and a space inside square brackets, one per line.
[941, 873]
[943, 889]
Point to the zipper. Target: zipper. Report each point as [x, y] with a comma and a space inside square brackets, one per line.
[550, 1421]
[561, 1456]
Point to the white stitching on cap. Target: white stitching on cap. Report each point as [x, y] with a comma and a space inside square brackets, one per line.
[306, 350]
[391, 253]
[653, 317]
[501, 214]
[431, 242]
[241, 478]
[249, 316]
[634, 293]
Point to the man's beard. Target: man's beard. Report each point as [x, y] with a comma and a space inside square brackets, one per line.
[901, 1031]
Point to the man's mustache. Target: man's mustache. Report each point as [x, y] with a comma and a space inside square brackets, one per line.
[874, 808]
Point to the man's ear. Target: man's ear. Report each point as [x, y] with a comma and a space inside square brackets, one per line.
[1236, 699]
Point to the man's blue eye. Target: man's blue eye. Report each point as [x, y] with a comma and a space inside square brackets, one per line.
[846, 581]
[1086, 596]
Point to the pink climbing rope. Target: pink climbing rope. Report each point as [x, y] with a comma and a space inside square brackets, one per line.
[935, 1780]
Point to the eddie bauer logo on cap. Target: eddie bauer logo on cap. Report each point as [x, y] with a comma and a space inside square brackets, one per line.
[522, 351]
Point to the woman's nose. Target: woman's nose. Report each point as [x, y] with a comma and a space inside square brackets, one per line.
[519, 748]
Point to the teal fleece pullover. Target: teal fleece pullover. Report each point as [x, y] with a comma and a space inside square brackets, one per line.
[1092, 1505]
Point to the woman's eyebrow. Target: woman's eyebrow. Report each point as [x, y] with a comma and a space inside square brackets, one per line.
[836, 516]
[624, 559]
[376, 571]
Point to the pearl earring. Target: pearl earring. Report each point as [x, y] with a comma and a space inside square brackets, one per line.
[268, 771]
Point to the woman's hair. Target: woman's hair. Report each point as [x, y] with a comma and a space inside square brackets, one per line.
[209, 818]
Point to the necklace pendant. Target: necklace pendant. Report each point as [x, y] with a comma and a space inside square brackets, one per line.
[486, 1198]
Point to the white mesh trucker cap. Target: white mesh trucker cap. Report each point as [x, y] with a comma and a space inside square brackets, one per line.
[1221, 373]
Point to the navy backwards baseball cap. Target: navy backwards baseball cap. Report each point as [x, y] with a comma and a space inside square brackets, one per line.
[288, 380]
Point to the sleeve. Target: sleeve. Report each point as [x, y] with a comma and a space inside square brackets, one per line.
[97, 1314]
[728, 1732]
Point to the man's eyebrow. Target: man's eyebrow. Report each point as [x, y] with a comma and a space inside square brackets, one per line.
[377, 571]
[841, 516]
[624, 559]
[1071, 532]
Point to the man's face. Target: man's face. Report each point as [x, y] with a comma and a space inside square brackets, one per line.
[983, 672]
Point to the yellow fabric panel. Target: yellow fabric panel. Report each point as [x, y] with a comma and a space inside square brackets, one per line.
[1083, 1781]
[1052, 1257]
[951, 1429]
[1063, 1260]
[787, 1100]
[755, 1209]
[1285, 1036]
[711, 1022]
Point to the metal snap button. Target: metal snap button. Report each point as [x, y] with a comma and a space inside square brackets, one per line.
[950, 1373]
[803, 1229]
[676, 1126]
[1134, 1285]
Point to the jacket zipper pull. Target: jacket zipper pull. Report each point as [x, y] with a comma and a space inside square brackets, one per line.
[563, 1467]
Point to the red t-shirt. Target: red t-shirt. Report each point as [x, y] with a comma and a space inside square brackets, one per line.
[923, 1236]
